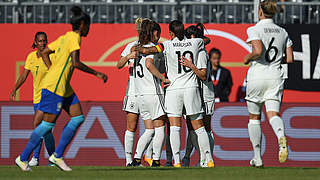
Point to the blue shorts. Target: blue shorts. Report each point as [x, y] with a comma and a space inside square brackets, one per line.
[53, 104]
[36, 107]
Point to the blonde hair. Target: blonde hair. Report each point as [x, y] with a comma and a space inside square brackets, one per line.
[269, 8]
[139, 22]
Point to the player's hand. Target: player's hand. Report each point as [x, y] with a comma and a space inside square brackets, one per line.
[166, 82]
[246, 59]
[13, 95]
[102, 76]
[186, 62]
[133, 55]
[135, 48]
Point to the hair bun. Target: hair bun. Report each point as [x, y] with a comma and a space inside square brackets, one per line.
[76, 10]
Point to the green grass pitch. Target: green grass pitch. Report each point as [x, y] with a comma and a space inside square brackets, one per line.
[142, 173]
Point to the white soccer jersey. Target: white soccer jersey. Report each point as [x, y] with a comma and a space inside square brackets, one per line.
[130, 86]
[207, 85]
[145, 82]
[180, 76]
[274, 40]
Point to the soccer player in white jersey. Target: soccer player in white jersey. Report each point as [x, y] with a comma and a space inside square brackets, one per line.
[129, 103]
[207, 97]
[150, 98]
[271, 46]
[183, 90]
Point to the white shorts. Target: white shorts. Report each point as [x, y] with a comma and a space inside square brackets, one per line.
[268, 92]
[151, 106]
[176, 100]
[208, 108]
[130, 104]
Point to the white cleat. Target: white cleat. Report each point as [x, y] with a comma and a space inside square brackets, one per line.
[59, 162]
[283, 150]
[256, 163]
[23, 165]
[34, 162]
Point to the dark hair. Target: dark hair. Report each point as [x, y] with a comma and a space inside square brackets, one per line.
[77, 17]
[196, 30]
[145, 32]
[216, 51]
[155, 27]
[177, 28]
[36, 37]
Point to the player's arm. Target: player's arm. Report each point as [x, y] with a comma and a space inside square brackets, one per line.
[206, 40]
[76, 63]
[256, 52]
[45, 56]
[124, 59]
[151, 67]
[20, 81]
[201, 73]
[148, 50]
[288, 59]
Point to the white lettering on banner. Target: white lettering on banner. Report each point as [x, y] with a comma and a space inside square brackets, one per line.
[233, 133]
[6, 133]
[316, 73]
[80, 141]
[304, 56]
[300, 133]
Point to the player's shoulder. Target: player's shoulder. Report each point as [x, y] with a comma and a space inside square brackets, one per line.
[32, 54]
[252, 29]
[131, 44]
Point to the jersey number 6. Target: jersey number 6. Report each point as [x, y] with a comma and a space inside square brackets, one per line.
[267, 55]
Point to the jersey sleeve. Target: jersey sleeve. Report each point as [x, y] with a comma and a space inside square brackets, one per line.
[28, 62]
[252, 34]
[54, 45]
[126, 50]
[74, 43]
[202, 60]
[289, 43]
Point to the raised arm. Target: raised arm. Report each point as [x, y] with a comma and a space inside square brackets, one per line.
[256, 52]
[79, 65]
[20, 81]
[124, 59]
[147, 50]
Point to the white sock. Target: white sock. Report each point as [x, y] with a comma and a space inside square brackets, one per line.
[203, 141]
[277, 126]
[194, 140]
[143, 142]
[254, 129]
[128, 145]
[211, 141]
[158, 140]
[175, 143]
[149, 150]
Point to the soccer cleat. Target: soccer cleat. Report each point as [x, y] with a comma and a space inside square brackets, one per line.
[34, 162]
[283, 150]
[59, 162]
[210, 164]
[177, 165]
[23, 165]
[168, 164]
[202, 163]
[185, 162]
[156, 163]
[256, 163]
[136, 162]
[148, 160]
[50, 164]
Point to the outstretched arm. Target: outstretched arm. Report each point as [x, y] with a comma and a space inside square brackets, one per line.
[146, 50]
[20, 81]
[256, 52]
[79, 65]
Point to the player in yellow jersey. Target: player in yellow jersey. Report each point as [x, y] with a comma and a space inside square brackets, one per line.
[38, 69]
[57, 93]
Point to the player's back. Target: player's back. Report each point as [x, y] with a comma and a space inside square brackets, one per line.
[274, 42]
[181, 76]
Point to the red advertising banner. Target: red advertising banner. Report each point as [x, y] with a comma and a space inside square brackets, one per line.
[99, 141]
[101, 50]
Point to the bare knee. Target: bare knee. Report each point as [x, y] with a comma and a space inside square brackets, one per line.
[255, 116]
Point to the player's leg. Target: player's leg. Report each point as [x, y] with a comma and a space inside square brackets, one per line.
[37, 118]
[148, 155]
[189, 144]
[158, 139]
[273, 108]
[255, 134]
[207, 123]
[132, 121]
[168, 146]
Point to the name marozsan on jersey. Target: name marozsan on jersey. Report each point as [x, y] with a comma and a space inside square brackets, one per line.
[181, 76]
[274, 40]
[38, 70]
[59, 74]
[145, 82]
[130, 86]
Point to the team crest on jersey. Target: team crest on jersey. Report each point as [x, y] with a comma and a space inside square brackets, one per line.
[132, 105]
[59, 106]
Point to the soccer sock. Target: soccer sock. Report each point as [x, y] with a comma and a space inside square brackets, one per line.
[149, 150]
[35, 138]
[168, 146]
[158, 142]
[203, 141]
[143, 142]
[49, 142]
[128, 145]
[254, 129]
[37, 150]
[175, 143]
[211, 141]
[277, 126]
[67, 134]
[189, 146]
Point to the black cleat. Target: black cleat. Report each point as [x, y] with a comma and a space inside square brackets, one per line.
[156, 163]
[136, 163]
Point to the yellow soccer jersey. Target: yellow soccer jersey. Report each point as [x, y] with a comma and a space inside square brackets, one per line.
[59, 74]
[38, 70]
